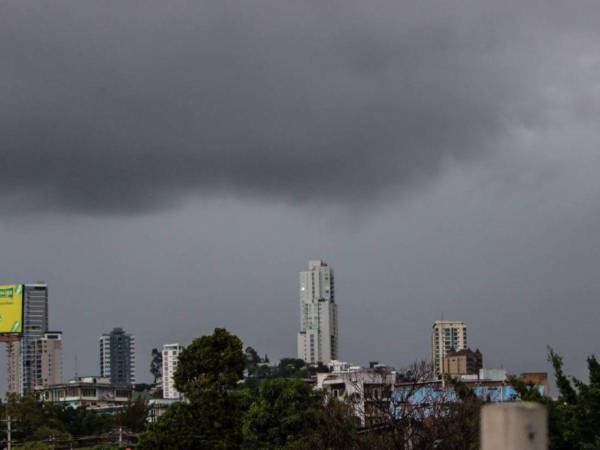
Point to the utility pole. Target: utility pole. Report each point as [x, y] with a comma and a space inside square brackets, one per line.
[8, 421]
[8, 433]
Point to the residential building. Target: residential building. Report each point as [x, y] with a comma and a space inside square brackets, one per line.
[170, 356]
[157, 407]
[462, 362]
[446, 336]
[338, 366]
[47, 360]
[14, 367]
[318, 339]
[96, 393]
[22, 369]
[367, 390]
[117, 357]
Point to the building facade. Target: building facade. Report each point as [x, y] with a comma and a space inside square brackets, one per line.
[170, 356]
[117, 357]
[446, 336]
[14, 368]
[463, 362]
[96, 393]
[318, 339]
[367, 391]
[22, 366]
[47, 359]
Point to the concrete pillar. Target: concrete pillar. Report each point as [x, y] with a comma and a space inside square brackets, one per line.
[515, 426]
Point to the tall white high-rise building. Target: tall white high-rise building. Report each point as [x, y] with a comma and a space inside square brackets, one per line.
[447, 335]
[170, 356]
[318, 336]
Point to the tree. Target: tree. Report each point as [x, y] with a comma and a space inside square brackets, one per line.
[214, 361]
[39, 421]
[175, 430]
[133, 417]
[156, 365]
[208, 373]
[574, 417]
[292, 368]
[252, 361]
[283, 413]
[35, 446]
[79, 421]
[337, 427]
[252, 358]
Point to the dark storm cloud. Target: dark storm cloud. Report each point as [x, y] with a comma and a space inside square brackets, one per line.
[128, 105]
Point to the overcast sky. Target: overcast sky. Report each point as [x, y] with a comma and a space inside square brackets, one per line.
[170, 167]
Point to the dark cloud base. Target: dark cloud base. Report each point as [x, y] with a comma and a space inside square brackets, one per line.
[128, 106]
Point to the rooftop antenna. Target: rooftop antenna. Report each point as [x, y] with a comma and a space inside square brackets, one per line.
[76, 374]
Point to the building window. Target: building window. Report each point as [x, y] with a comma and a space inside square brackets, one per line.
[88, 392]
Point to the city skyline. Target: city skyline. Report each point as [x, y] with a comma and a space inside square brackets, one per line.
[317, 285]
[171, 169]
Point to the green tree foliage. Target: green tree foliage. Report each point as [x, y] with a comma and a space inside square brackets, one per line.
[175, 430]
[35, 446]
[336, 428]
[282, 413]
[35, 421]
[223, 413]
[80, 421]
[252, 358]
[133, 417]
[574, 417]
[30, 414]
[214, 361]
[256, 366]
[208, 374]
[292, 368]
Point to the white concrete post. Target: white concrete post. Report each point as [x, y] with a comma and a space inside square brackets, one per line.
[515, 426]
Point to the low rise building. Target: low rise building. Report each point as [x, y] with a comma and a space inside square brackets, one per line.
[490, 385]
[368, 390]
[91, 392]
[157, 407]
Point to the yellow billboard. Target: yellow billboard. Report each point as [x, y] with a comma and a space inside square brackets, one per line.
[11, 309]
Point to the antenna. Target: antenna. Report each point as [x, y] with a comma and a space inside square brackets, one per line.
[76, 374]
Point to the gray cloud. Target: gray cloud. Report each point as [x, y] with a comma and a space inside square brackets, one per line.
[131, 106]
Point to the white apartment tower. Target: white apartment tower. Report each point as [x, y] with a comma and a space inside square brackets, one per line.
[170, 356]
[446, 336]
[318, 336]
